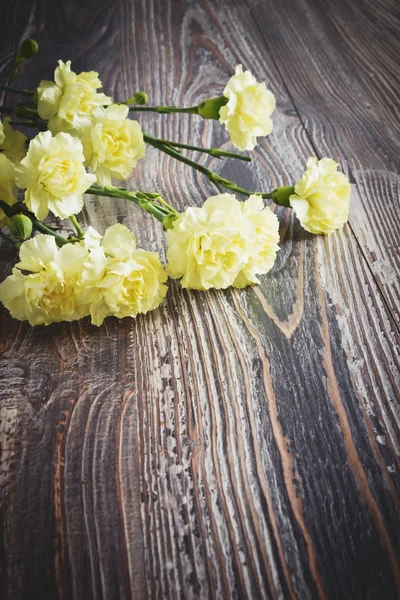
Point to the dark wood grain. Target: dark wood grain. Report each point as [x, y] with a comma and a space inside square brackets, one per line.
[237, 444]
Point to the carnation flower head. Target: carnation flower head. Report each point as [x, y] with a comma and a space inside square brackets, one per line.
[69, 101]
[54, 175]
[265, 241]
[112, 143]
[118, 278]
[223, 243]
[12, 142]
[7, 186]
[42, 288]
[247, 114]
[322, 197]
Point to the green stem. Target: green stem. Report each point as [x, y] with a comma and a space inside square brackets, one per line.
[216, 152]
[140, 199]
[151, 198]
[175, 154]
[162, 110]
[26, 111]
[29, 123]
[36, 124]
[10, 211]
[154, 196]
[16, 91]
[78, 228]
[61, 241]
[213, 177]
[167, 206]
[21, 112]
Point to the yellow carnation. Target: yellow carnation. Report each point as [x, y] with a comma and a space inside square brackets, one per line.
[120, 280]
[113, 144]
[223, 243]
[265, 241]
[54, 175]
[7, 185]
[13, 142]
[129, 287]
[322, 197]
[47, 294]
[68, 102]
[248, 110]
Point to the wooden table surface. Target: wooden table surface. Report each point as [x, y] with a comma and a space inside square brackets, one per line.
[239, 443]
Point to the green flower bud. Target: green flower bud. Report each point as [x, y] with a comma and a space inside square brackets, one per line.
[282, 194]
[168, 221]
[140, 98]
[28, 49]
[20, 226]
[209, 109]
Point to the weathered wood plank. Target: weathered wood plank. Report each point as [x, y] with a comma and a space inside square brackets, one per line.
[231, 444]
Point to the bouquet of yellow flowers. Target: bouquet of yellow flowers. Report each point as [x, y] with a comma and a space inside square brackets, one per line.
[84, 142]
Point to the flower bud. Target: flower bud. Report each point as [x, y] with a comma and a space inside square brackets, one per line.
[282, 195]
[28, 48]
[20, 226]
[140, 98]
[209, 109]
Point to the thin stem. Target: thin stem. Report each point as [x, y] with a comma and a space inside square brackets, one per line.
[216, 152]
[25, 124]
[16, 91]
[35, 123]
[39, 226]
[140, 199]
[167, 208]
[61, 241]
[10, 211]
[175, 154]
[22, 111]
[78, 228]
[162, 110]
[213, 177]
[219, 187]
[29, 112]
[146, 199]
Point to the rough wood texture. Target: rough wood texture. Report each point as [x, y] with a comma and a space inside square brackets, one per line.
[238, 444]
